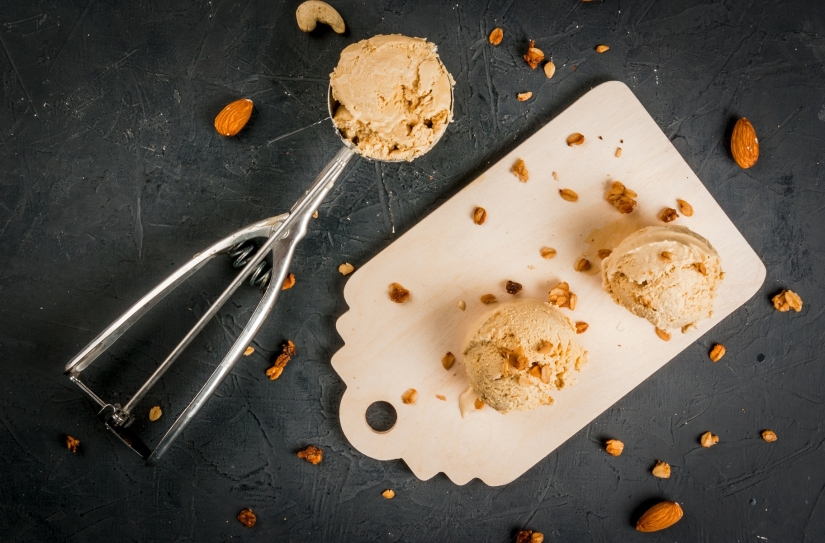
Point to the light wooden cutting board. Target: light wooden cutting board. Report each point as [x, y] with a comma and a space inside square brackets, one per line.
[446, 258]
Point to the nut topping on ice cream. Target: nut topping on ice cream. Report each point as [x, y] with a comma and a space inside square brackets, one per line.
[394, 94]
[672, 292]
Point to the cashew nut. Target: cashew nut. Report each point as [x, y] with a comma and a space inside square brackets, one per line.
[314, 11]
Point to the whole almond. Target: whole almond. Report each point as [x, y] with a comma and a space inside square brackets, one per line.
[744, 145]
[660, 516]
[479, 215]
[549, 69]
[233, 117]
[575, 139]
[568, 195]
[685, 208]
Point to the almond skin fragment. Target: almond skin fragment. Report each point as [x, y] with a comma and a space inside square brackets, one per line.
[568, 195]
[685, 208]
[346, 268]
[660, 516]
[410, 396]
[549, 69]
[547, 252]
[496, 36]
[744, 145]
[534, 55]
[399, 294]
[389, 493]
[448, 360]
[602, 48]
[614, 447]
[233, 117]
[155, 413]
[661, 470]
[524, 96]
[479, 215]
[708, 440]
[575, 139]
[717, 352]
[520, 170]
[663, 334]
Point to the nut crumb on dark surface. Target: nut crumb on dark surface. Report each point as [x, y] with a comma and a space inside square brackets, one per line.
[311, 454]
[533, 56]
[288, 350]
[289, 282]
[72, 443]
[247, 518]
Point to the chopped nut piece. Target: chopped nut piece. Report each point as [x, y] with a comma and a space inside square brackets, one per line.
[545, 348]
[618, 152]
[708, 440]
[546, 374]
[555, 176]
[479, 215]
[534, 56]
[496, 36]
[604, 253]
[665, 256]
[524, 96]
[462, 305]
[581, 327]
[448, 360]
[614, 447]
[582, 265]
[410, 396]
[547, 252]
[661, 470]
[549, 69]
[512, 287]
[668, 214]
[717, 352]
[535, 371]
[441, 397]
[478, 404]
[568, 195]
[621, 197]
[571, 303]
[287, 352]
[575, 139]
[247, 518]
[289, 282]
[72, 443]
[524, 536]
[787, 300]
[315, 215]
[769, 435]
[685, 208]
[155, 413]
[537, 537]
[399, 294]
[346, 268]
[249, 350]
[602, 48]
[488, 299]
[520, 170]
[663, 334]
[700, 267]
[389, 493]
[561, 296]
[311, 454]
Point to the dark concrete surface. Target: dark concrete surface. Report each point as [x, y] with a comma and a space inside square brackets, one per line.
[112, 176]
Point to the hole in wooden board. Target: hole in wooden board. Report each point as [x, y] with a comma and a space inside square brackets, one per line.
[381, 417]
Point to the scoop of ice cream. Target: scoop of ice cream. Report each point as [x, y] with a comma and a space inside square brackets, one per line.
[519, 353]
[395, 96]
[665, 274]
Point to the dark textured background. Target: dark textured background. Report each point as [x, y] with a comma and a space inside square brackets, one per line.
[112, 176]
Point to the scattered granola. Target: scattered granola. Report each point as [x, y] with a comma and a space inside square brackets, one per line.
[787, 300]
[549, 69]
[512, 287]
[448, 360]
[582, 265]
[289, 282]
[581, 327]
[496, 36]
[664, 335]
[488, 299]
[479, 215]
[389, 494]
[708, 440]
[155, 413]
[602, 48]
[547, 252]
[478, 404]
[568, 195]
[533, 56]
[661, 470]
[524, 96]
[249, 350]
[604, 253]
[287, 352]
[398, 294]
[410, 396]
[769, 436]
[614, 447]
[575, 139]
[668, 214]
[72, 443]
[247, 518]
[717, 352]
[346, 268]
[561, 296]
[621, 197]
[685, 208]
[618, 152]
[520, 170]
[311, 454]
